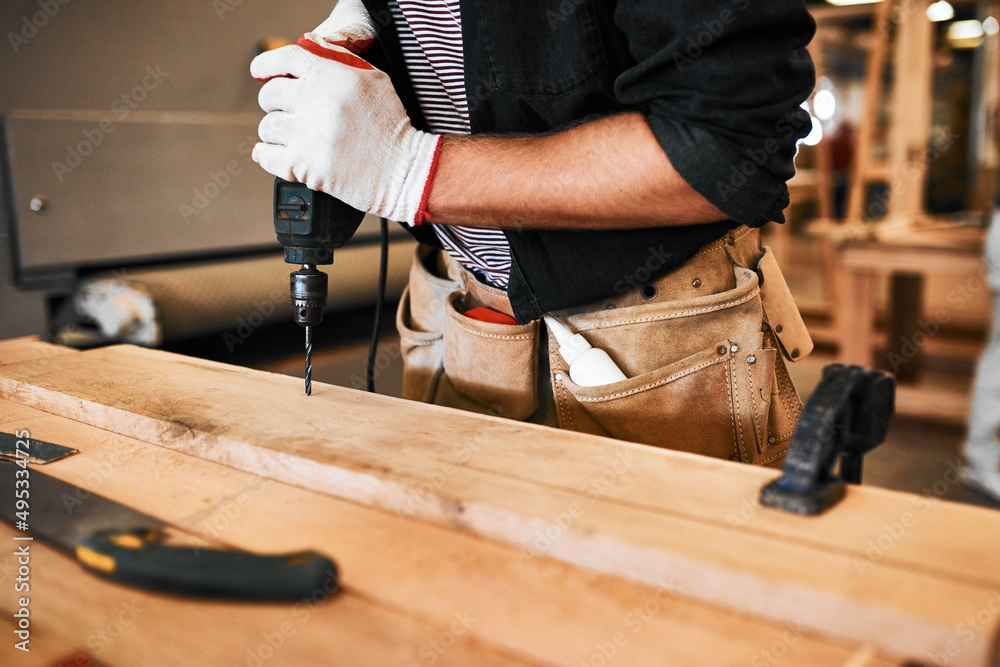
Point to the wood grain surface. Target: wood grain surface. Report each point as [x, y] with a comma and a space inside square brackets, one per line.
[530, 610]
[902, 573]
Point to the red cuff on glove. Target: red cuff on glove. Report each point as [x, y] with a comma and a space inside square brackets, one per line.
[422, 213]
[332, 54]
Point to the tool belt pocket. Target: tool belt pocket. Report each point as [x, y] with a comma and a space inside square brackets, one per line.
[420, 321]
[682, 394]
[495, 365]
[714, 403]
[422, 353]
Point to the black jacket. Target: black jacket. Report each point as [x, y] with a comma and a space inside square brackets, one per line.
[719, 81]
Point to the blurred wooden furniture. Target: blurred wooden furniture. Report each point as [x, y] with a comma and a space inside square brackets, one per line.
[891, 234]
[909, 117]
[908, 254]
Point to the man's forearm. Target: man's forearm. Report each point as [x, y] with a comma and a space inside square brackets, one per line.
[606, 174]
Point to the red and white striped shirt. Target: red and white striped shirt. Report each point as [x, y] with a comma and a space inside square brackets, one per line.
[430, 34]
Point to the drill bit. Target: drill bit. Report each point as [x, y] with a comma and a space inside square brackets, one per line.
[308, 291]
[309, 363]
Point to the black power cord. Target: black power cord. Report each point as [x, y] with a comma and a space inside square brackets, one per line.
[380, 299]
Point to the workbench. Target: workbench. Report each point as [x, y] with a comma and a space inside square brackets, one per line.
[469, 540]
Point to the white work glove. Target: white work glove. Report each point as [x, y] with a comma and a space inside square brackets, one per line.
[349, 26]
[335, 123]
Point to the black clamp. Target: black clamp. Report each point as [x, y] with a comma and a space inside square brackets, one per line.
[846, 417]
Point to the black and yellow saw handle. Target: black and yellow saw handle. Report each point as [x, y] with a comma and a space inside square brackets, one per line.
[138, 559]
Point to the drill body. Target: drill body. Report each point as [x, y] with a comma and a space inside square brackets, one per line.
[310, 225]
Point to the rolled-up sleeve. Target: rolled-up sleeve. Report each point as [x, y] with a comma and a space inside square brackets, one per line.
[720, 83]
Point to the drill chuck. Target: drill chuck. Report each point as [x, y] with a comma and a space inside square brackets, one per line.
[308, 289]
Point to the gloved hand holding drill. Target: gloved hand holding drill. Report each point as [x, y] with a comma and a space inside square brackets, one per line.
[336, 124]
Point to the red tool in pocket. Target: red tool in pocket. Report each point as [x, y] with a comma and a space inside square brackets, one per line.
[484, 314]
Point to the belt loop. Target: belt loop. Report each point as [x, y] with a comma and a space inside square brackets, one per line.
[734, 247]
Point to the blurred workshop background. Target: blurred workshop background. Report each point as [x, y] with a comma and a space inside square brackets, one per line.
[132, 211]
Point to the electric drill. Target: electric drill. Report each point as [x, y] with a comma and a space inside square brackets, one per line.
[310, 225]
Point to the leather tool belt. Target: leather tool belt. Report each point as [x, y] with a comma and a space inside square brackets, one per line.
[704, 348]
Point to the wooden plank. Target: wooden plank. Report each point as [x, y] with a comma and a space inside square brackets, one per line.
[16, 350]
[555, 614]
[913, 259]
[123, 626]
[912, 88]
[857, 316]
[862, 169]
[484, 475]
[930, 401]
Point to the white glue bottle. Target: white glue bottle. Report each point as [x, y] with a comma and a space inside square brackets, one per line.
[588, 366]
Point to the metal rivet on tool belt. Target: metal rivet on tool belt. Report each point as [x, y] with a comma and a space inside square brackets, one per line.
[721, 350]
[765, 327]
[558, 377]
[734, 348]
[696, 282]
[36, 204]
[649, 292]
[751, 359]
[731, 240]
[795, 354]
[777, 329]
[772, 440]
